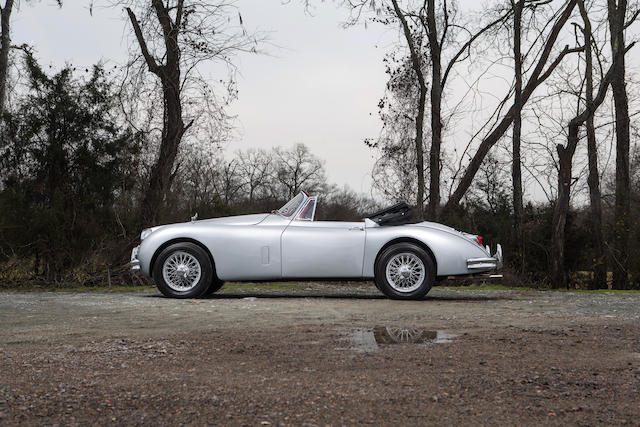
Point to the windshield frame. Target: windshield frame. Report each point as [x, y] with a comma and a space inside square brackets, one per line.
[301, 211]
[293, 206]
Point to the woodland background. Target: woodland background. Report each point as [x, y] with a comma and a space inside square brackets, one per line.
[550, 167]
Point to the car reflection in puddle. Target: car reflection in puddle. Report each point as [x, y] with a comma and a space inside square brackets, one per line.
[370, 339]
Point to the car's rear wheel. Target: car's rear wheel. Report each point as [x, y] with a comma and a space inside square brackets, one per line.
[183, 270]
[405, 271]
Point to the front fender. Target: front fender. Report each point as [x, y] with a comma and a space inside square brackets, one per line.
[163, 235]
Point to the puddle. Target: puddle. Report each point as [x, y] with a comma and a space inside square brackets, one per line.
[371, 339]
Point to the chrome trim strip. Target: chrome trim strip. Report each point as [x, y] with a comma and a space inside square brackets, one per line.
[486, 263]
[135, 262]
[482, 263]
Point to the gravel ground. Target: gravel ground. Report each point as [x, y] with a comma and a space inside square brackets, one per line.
[320, 354]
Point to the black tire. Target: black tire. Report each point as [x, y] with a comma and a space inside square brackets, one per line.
[214, 287]
[207, 275]
[388, 255]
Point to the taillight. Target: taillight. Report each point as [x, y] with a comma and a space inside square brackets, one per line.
[479, 239]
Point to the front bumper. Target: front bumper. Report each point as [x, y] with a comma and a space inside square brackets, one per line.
[486, 263]
[135, 262]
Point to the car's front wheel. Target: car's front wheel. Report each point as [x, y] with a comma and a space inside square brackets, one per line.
[405, 271]
[183, 270]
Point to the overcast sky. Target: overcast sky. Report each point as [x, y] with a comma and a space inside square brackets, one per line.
[319, 85]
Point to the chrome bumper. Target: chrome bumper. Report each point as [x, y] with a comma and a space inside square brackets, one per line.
[135, 263]
[486, 263]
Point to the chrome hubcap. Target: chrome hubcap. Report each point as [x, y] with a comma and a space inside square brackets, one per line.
[181, 271]
[405, 272]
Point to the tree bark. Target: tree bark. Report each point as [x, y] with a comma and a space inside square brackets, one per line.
[416, 63]
[516, 167]
[616, 17]
[565, 159]
[435, 50]
[5, 46]
[173, 127]
[593, 180]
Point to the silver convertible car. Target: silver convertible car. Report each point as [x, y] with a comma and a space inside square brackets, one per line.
[404, 259]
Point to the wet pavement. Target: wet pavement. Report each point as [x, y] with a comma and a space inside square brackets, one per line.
[373, 339]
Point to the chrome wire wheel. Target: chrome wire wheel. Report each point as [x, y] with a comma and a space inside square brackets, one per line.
[403, 335]
[181, 271]
[405, 272]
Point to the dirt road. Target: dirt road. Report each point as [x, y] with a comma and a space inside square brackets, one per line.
[318, 355]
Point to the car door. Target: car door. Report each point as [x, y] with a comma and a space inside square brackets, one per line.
[322, 249]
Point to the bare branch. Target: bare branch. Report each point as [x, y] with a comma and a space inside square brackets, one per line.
[494, 136]
[468, 44]
[151, 62]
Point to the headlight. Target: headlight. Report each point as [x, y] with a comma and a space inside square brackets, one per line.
[145, 233]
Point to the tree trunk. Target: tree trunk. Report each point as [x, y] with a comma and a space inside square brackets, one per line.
[161, 171]
[600, 261]
[516, 167]
[565, 159]
[420, 151]
[593, 180]
[436, 112]
[616, 15]
[5, 46]
[173, 127]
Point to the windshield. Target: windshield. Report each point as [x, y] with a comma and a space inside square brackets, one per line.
[291, 206]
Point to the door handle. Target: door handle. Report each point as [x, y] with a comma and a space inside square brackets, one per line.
[356, 228]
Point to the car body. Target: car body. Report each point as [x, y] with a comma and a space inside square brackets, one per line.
[288, 244]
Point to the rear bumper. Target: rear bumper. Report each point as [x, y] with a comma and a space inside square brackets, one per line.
[135, 262]
[478, 265]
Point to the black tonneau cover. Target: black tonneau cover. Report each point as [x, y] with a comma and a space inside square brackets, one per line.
[398, 214]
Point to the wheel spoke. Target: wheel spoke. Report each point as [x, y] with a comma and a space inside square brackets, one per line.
[181, 271]
[405, 272]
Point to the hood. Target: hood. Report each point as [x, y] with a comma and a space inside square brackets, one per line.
[237, 220]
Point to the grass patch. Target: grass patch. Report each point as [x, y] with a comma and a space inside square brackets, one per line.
[79, 289]
[496, 287]
[490, 287]
[598, 291]
[263, 285]
[299, 285]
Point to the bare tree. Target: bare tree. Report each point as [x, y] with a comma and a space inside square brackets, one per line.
[593, 180]
[566, 153]
[392, 175]
[617, 10]
[5, 46]
[298, 169]
[423, 23]
[228, 183]
[416, 61]
[256, 166]
[541, 71]
[174, 38]
[516, 165]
